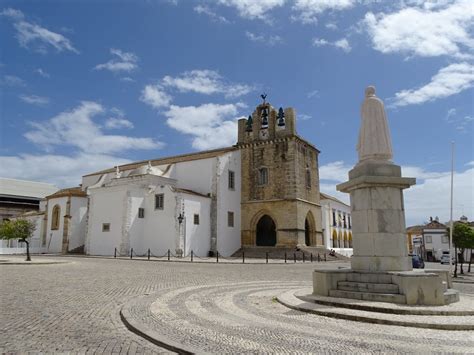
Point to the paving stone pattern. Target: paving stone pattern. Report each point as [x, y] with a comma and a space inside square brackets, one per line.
[74, 308]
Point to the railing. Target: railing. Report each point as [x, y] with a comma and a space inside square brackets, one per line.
[299, 256]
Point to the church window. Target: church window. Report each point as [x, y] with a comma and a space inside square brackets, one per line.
[55, 217]
[159, 201]
[141, 212]
[263, 176]
[230, 219]
[308, 178]
[105, 227]
[196, 219]
[231, 180]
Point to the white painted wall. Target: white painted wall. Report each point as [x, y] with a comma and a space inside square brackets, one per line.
[327, 206]
[228, 238]
[54, 238]
[197, 237]
[77, 225]
[194, 175]
[106, 206]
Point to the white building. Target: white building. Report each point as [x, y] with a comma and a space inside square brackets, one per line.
[337, 224]
[435, 240]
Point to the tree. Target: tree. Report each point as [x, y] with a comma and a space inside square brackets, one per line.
[20, 229]
[463, 238]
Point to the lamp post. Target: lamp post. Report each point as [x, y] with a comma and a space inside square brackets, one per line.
[180, 221]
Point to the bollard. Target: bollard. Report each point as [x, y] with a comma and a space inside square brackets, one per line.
[131, 254]
[192, 255]
[285, 257]
[294, 257]
[311, 256]
[217, 256]
[149, 253]
[319, 258]
[115, 252]
[243, 257]
[169, 255]
[266, 257]
[303, 256]
[325, 257]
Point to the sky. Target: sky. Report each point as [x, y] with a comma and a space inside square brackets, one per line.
[87, 85]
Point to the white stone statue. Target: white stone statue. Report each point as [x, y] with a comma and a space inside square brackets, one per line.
[374, 135]
[118, 174]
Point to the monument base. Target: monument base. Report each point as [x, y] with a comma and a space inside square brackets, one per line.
[429, 287]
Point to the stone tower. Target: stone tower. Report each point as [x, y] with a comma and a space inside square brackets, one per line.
[280, 181]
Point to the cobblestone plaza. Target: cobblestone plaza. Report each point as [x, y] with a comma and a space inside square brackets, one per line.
[74, 307]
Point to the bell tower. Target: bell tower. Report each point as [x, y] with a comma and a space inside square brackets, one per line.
[280, 203]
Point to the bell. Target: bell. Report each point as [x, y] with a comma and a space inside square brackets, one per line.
[264, 117]
[281, 117]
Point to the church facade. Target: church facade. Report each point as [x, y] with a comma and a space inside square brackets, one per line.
[263, 191]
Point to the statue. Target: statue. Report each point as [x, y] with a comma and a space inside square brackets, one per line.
[374, 135]
[118, 174]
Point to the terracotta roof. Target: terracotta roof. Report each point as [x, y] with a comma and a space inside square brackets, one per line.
[329, 197]
[415, 229]
[434, 225]
[29, 214]
[170, 160]
[71, 191]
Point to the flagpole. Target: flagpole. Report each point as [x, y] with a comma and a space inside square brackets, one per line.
[451, 211]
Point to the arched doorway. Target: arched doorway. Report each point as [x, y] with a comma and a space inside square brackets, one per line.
[307, 233]
[266, 232]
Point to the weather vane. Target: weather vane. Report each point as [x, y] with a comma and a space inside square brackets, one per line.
[263, 96]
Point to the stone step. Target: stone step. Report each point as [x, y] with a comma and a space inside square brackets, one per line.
[367, 287]
[369, 296]
[291, 253]
[451, 296]
[370, 278]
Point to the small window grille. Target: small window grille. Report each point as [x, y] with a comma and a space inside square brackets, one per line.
[231, 180]
[230, 219]
[141, 213]
[196, 219]
[263, 176]
[105, 227]
[159, 201]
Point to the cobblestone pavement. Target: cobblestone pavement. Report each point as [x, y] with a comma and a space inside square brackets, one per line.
[74, 308]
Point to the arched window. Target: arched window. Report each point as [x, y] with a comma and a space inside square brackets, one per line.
[55, 217]
[263, 176]
[334, 239]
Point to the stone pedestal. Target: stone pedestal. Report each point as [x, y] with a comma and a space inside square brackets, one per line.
[378, 216]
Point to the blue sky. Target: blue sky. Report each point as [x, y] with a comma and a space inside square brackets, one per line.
[87, 85]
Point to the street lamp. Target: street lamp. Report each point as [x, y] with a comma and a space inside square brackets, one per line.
[180, 218]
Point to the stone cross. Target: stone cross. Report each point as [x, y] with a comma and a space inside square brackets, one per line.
[374, 135]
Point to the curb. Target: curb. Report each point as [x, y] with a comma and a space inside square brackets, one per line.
[365, 319]
[148, 334]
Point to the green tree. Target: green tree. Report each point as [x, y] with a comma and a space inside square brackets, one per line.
[20, 229]
[463, 238]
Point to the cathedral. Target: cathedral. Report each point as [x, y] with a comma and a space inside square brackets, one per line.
[262, 191]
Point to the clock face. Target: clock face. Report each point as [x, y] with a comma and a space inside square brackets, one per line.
[263, 134]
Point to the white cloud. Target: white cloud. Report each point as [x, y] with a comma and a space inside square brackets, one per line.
[34, 99]
[11, 80]
[448, 81]
[13, 14]
[460, 122]
[211, 125]
[76, 128]
[331, 26]
[314, 93]
[425, 32]
[42, 73]
[122, 61]
[155, 96]
[61, 170]
[343, 44]
[118, 122]
[252, 9]
[270, 40]
[205, 82]
[201, 9]
[304, 117]
[309, 10]
[30, 34]
[429, 197]
[127, 79]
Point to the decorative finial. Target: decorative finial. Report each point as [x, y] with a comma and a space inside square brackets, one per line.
[148, 168]
[249, 124]
[118, 174]
[370, 91]
[263, 96]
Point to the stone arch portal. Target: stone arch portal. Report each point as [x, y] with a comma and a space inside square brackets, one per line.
[309, 229]
[266, 232]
